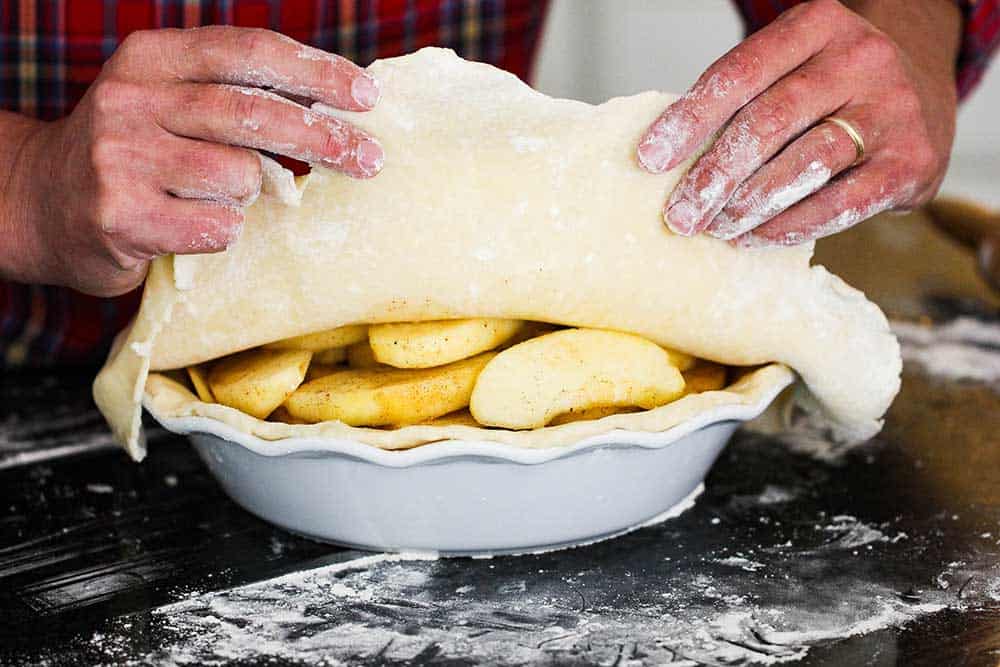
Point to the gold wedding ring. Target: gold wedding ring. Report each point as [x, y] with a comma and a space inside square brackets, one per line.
[852, 132]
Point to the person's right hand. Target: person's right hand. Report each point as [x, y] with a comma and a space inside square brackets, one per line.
[154, 160]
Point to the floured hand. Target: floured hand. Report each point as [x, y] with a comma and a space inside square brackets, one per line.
[777, 174]
[154, 160]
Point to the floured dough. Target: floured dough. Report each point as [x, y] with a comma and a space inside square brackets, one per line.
[497, 201]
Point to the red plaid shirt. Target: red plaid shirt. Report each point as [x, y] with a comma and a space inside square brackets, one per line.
[51, 51]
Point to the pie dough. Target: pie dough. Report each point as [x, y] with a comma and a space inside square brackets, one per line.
[498, 201]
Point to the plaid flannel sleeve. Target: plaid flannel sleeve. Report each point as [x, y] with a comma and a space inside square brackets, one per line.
[980, 37]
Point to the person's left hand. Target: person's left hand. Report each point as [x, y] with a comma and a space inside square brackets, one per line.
[777, 174]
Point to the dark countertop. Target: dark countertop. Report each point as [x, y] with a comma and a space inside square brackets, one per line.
[797, 551]
[883, 554]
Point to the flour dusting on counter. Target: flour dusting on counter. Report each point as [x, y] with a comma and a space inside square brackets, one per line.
[766, 606]
[963, 349]
[388, 607]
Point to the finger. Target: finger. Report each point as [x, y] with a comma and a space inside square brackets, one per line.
[106, 277]
[265, 59]
[185, 226]
[259, 119]
[856, 195]
[121, 281]
[804, 167]
[757, 132]
[732, 81]
[195, 169]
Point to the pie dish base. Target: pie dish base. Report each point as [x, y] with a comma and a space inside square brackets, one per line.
[468, 498]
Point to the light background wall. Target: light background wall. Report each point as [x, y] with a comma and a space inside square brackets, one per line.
[596, 49]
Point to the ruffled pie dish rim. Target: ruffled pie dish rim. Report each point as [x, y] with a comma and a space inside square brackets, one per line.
[177, 410]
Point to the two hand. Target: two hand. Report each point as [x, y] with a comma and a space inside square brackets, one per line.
[154, 160]
[777, 174]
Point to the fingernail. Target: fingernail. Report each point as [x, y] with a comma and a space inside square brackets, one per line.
[682, 218]
[655, 155]
[370, 157]
[365, 91]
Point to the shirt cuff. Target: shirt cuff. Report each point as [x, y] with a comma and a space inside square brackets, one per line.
[980, 39]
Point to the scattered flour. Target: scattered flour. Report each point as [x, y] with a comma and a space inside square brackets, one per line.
[838, 223]
[357, 612]
[963, 349]
[281, 617]
[773, 495]
[890, 613]
[741, 562]
[760, 208]
[850, 533]
[396, 608]
[959, 330]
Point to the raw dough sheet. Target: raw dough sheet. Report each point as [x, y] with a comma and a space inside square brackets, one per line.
[498, 201]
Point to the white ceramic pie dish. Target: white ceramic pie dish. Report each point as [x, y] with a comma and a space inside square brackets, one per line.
[467, 497]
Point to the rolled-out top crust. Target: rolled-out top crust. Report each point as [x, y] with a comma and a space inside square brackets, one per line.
[498, 201]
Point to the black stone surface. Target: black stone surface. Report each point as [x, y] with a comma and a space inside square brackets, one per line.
[92, 546]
